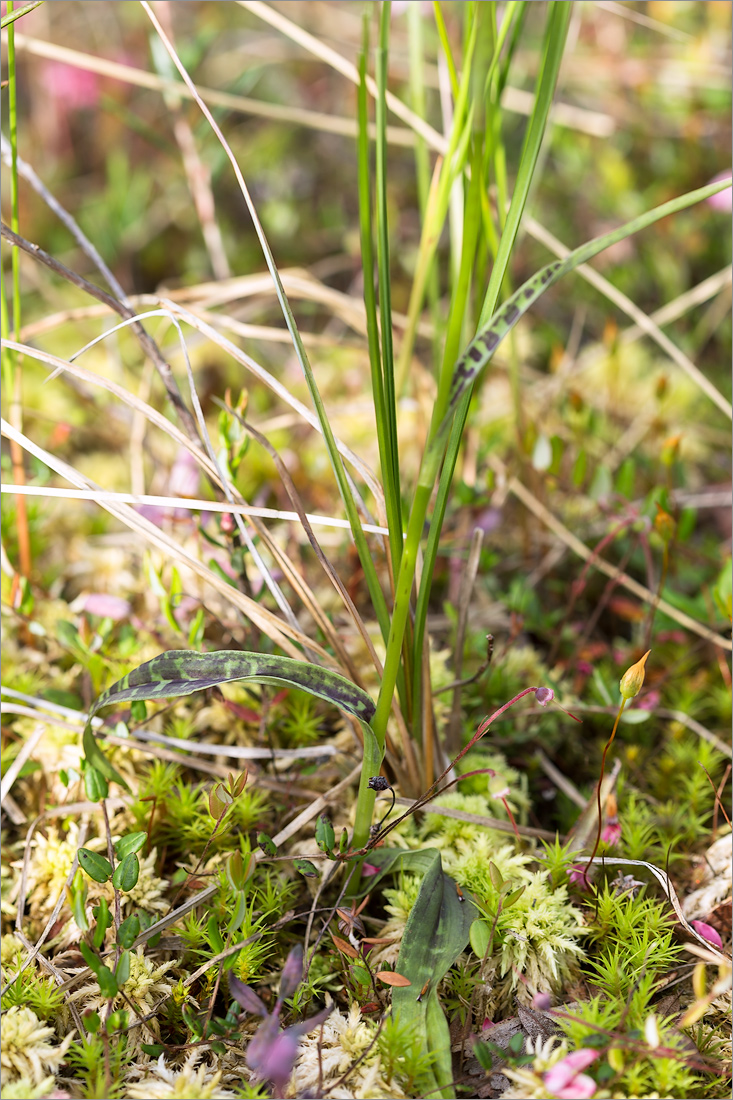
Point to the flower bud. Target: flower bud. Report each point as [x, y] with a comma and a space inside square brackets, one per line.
[633, 679]
[544, 695]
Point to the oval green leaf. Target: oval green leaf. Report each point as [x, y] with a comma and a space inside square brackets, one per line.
[479, 936]
[133, 842]
[128, 931]
[127, 873]
[96, 866]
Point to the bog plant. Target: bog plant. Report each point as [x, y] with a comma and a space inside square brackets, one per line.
[442, 920]
[472, 152]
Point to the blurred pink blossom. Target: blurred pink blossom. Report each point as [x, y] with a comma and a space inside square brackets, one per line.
[579, 876]
[184, 475]
[72, 88]
[566, 1081]
[611, 831]
[108, 607]
[707, 932]
[542, 1002]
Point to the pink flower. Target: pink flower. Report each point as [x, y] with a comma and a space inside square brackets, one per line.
[368, 869]
[109, 607]
[71, 87]
[611, 831]
[565, 1080]
[542, 1002]
[707, 932]
[544, 695]
[579, 876]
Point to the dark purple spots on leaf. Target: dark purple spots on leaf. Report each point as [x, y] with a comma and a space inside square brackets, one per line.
[492, 339]
[476, 353]
[511, 313]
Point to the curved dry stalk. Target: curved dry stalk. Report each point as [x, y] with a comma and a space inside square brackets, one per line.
[281, 633]
[142, 78]
[573, 542]
[149, 345]
[328, 569]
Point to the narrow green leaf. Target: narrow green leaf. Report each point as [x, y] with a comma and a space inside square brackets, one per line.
[96, 866]
[212, 930]
[481, 349]
[513, 897]
[104, 919]
[180, 672]
[133, 842]
[13, 15]
[127, 873]
[122, 970]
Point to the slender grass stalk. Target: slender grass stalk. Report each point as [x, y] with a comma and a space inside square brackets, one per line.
[416, 48]
[11, 365]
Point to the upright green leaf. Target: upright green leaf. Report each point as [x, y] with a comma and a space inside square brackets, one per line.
[436, 932]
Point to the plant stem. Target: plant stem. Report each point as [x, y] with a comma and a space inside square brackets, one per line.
[600, 782]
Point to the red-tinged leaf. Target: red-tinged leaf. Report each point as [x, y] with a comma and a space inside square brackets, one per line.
[345, 947]
[391, 977]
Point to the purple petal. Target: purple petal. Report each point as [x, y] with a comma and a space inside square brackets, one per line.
[277, 1060]
[297, 1030]
[246, 997]
[292, 974]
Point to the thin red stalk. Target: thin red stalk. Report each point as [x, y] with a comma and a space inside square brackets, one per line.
[600, 783]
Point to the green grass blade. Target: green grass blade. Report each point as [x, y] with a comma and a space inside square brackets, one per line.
[391, 472]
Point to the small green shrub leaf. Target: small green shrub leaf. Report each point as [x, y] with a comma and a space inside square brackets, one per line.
[128, 931]
[122, 970]
[96, 866]
[104, 919]
[479, 936]
[108, 986]
[306, 868]
[95, 785]
[325, 835]
[267, 844]
[92, 960]
[127, 873]
[133, 842]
